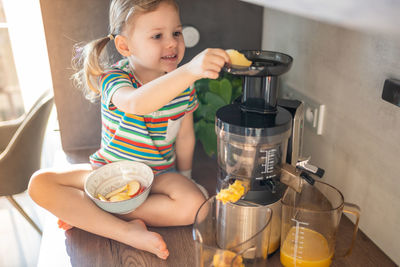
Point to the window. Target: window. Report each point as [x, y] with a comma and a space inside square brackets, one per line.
[11, 105]
[24, 61]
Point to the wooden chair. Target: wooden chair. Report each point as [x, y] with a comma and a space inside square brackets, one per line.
[21, 143]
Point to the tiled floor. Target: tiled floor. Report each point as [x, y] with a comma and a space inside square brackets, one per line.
[19, 241]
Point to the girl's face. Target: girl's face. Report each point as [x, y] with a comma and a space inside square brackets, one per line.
[155, 41]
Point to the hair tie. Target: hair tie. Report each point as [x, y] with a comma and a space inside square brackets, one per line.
[110, 36]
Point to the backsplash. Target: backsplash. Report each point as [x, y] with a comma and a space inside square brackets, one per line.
[220, 26]
[359, 148]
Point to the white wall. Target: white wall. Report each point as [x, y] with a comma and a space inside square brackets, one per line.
[360, 147]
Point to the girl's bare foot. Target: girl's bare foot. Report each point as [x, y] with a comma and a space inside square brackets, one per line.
[141, 238]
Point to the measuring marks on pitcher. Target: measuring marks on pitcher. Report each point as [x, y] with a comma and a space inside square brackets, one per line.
[298, 237]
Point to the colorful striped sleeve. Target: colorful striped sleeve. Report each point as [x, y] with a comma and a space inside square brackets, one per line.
[193, 101]
[111, 81]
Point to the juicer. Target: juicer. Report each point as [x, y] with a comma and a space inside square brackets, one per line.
[259, 139]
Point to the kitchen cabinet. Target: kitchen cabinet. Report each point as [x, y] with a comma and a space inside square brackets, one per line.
[377, 16]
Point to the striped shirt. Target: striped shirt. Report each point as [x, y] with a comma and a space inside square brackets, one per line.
[145, 138]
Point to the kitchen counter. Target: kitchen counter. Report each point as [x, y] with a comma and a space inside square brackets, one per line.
[76, 247]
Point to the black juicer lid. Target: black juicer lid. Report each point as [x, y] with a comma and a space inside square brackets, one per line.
[265, 63]
[230, 118]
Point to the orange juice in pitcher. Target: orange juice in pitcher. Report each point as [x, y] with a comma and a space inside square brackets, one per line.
[304, 247]
[310, 221]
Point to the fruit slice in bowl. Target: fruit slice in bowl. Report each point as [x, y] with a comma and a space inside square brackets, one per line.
[133, 188]
[119, 191]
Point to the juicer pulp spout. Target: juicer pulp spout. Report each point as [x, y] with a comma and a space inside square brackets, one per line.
[292, 177]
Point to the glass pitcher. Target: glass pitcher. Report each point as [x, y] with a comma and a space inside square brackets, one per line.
[214, 248]
[310, 221]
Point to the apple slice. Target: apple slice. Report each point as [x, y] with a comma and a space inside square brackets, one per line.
[238, 59]
[133, 188]
[116, 191]
[101, 197]
[119, 197]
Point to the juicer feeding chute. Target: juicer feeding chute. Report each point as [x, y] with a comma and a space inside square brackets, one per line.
[260, 80]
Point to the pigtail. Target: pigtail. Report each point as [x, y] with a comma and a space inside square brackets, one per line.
[88, 62]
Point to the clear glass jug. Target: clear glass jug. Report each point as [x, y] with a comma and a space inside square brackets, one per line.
[310, 221]
[215, 247]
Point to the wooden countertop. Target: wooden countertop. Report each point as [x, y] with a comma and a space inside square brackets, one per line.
[76, 247]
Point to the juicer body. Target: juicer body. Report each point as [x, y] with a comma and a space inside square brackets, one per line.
[254, 154]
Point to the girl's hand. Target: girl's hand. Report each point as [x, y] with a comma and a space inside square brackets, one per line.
[208, 63]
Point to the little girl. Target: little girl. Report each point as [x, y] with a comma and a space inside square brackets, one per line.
[146, 105]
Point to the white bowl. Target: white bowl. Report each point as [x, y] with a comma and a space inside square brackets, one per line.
[115, 175]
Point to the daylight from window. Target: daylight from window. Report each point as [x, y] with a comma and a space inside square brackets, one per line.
[24, 63]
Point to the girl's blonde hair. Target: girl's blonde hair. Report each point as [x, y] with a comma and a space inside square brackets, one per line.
[89, 61]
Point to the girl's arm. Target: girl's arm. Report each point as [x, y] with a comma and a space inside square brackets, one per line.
[184, 145]
[159, 92]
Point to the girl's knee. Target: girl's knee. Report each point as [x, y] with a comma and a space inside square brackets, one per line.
[38, 182]
[192, 205]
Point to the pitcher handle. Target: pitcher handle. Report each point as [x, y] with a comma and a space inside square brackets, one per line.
[352, 209]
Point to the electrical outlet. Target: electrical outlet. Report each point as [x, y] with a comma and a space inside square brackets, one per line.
[313, 111]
